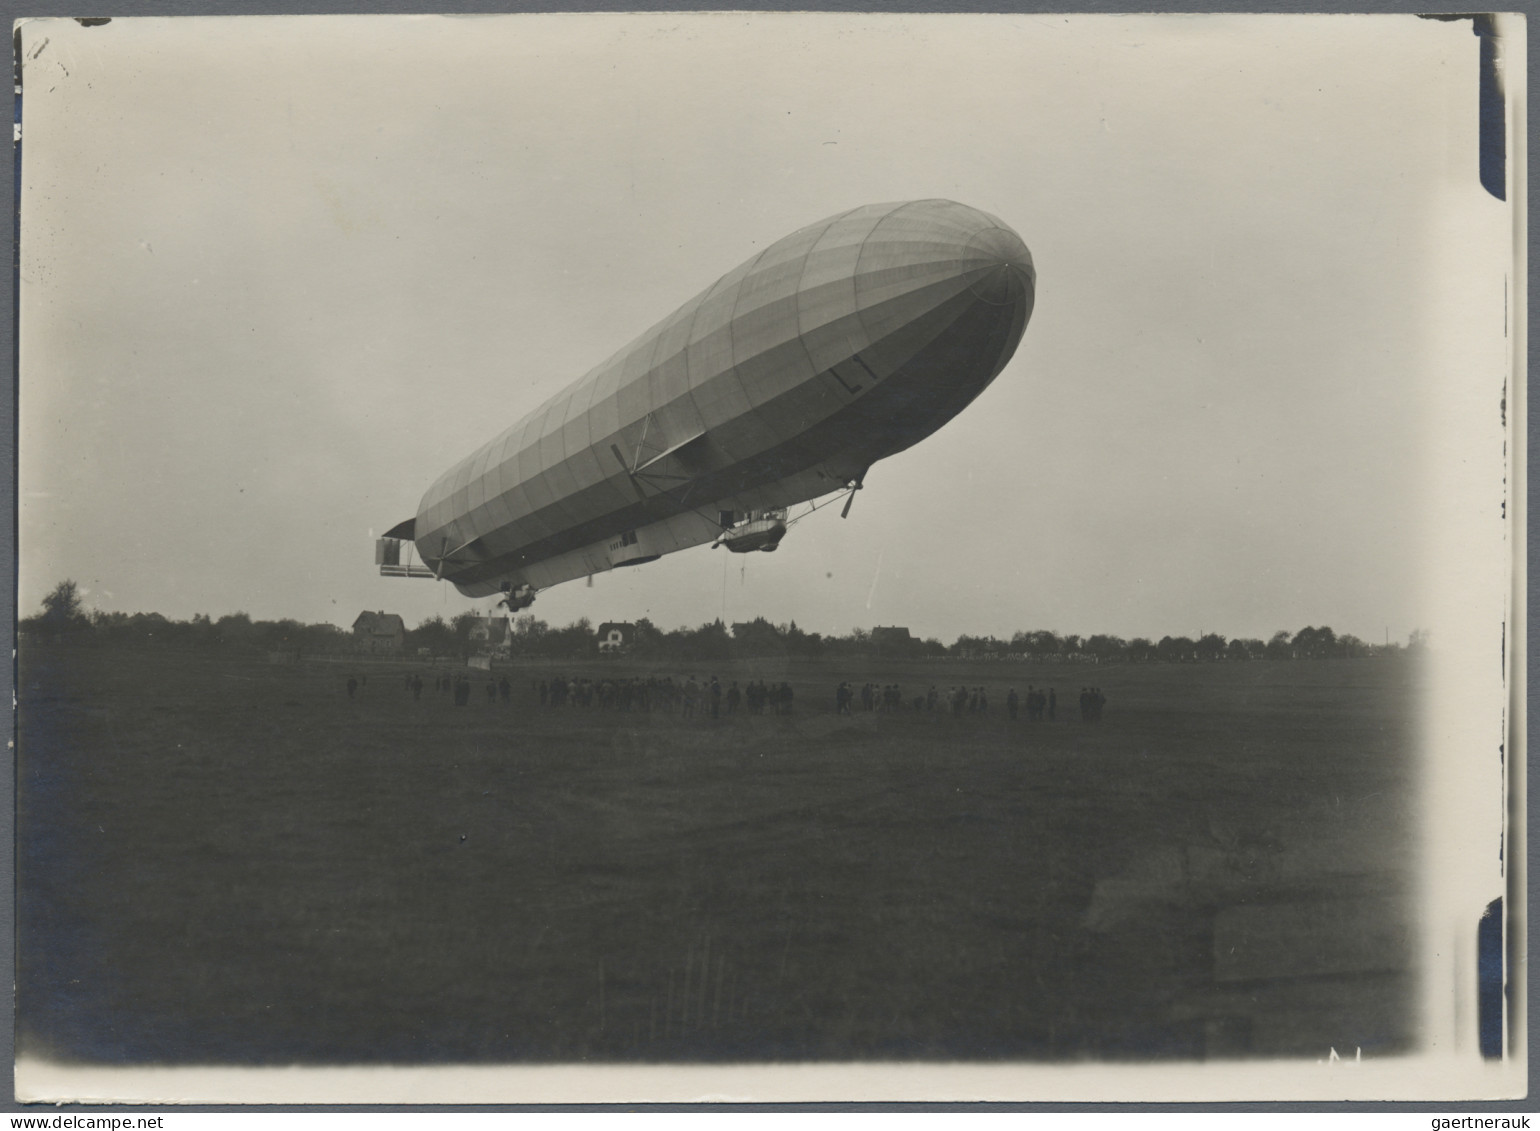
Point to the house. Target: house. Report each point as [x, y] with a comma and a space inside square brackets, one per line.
[379, 632]
[892, 640]
[615, 637]
[491, 636]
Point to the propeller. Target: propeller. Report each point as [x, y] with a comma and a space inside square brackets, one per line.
[855, 485]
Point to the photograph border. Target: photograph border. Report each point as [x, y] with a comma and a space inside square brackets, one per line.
[852, 1092]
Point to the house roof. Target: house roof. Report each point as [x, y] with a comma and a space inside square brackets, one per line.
[379, 624]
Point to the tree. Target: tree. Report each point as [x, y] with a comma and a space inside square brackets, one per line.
[461, 624]
[856, 643]
[799, 643]
[234, 629]
[1040, 644]
[1210, 648]
[63, 611]
[966, 645]
[647, 638]
[527, 634]
[1315, 643]
[280, 635]
[201, 631]
[324, 638]
[758, 637]
[63, 603]
[708, 642]
[575, 641]
[434, 635]
[1105, 648]
[1352, 647]
[1278, 647]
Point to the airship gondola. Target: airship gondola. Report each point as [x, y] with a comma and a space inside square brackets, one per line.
[844, 343]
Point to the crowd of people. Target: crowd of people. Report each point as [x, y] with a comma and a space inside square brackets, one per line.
[689, 697]
[959, 701]
[457, 686]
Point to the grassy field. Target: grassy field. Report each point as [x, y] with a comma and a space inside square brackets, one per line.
[222, 860]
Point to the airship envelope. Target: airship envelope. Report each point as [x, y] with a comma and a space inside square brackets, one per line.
[844, 343]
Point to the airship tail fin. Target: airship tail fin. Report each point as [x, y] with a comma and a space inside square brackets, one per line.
[387, 552]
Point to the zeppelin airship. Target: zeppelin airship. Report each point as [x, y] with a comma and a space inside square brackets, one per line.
[782, 383]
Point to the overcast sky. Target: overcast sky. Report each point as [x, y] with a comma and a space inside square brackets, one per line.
[279, 273]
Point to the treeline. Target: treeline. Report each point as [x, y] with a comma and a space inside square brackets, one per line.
[1309, 643]
[761, 639]
[64, 617]
[708, 642]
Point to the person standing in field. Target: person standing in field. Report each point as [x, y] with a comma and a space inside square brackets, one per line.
[716, 698]
[416, 687]
[352, 686]
[1011, 703]
[734, 696]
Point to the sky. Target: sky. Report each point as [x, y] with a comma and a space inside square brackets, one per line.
[277, 274]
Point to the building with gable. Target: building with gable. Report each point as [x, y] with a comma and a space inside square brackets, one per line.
[615, 636]
[491, 636]
[379, 632]
[894, 640]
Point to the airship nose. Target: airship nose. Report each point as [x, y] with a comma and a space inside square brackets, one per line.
[1010, 270]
